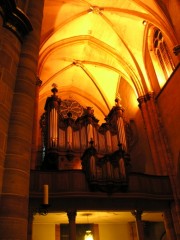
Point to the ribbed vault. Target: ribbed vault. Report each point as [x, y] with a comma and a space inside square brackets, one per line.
[87, 48]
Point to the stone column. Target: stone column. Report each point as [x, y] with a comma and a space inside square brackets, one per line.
[9, 51]
[163, 163]
[72, 225]
[139, 224]
[30, 224]
[159, 137]
[175, 213]
[169, 227]
[2, 145]
[151, 129]
[15, 190]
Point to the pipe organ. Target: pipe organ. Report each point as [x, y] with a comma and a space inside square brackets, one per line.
[73, 139]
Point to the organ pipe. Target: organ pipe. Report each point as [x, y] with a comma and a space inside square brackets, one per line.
[121, 132]
[69, 137]
[90, 132]
[95, 137]
[53, 128]
[120, 124]
[52, 109]
[108, 141]
[103, 146]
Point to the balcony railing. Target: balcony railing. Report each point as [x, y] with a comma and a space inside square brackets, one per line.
[69, 189]
[74, 181]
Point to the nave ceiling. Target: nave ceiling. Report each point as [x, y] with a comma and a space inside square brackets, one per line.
[89, 47]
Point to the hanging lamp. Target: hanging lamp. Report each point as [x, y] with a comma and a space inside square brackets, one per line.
[88, 234]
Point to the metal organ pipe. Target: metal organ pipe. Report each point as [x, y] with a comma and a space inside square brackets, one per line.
[108, 141]
[69, 137]
[93, 166]
[121, 132]
[53, 127]
[95, 137]
[109, 170]
[50, 130]
[122, 168]
[52, 107]
[89, 132]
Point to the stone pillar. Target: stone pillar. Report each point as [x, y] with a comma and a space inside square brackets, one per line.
[163, 163]
[132, 230]
[152, 128]
[139, 224]
[169, 227]
[9, 51]
[15, 189]
[175, 213]
[30, 224]
[72, 225]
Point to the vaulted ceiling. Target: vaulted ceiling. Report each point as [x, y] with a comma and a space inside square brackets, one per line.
[88, 47]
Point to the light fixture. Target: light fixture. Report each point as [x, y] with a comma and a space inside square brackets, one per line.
[88, 234]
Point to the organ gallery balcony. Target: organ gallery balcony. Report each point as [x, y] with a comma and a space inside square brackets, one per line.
[70, 189]
[87, 164]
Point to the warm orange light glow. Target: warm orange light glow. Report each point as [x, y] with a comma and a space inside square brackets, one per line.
[88, 235]
[86, 49]
[161, 81]
[99, 46]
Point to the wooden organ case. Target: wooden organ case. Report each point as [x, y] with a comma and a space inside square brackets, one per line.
[73, 139]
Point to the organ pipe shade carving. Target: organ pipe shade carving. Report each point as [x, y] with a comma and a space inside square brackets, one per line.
[108, 173]
[50, 129]
[72, 135]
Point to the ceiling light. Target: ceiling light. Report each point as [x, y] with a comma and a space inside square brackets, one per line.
[88, 235]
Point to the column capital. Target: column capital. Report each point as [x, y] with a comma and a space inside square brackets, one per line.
[71, 215]
[145, 98]
[15, 19]
[141, 100]
[176, 49]
[150, 95]
[72, 224]
[137, 214]
[38, 82]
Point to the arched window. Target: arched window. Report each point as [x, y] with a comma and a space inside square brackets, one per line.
[162, 60]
